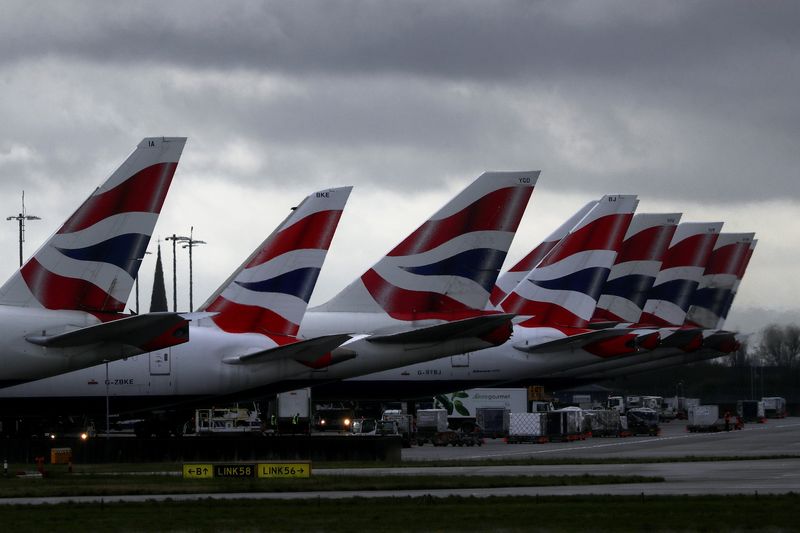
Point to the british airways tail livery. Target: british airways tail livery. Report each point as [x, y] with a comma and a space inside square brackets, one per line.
[269, 293]
[61, 309]
[564, 287]
[242, 341]
[719, 278]
[636, 267]
[91, 262]
[739, 275]
[450, 263]
[681, 270]
[509, 279]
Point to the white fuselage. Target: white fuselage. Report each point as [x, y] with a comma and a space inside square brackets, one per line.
[492, 366]
[21, 360]
[196, 368]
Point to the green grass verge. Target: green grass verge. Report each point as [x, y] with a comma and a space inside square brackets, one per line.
[507, 514]
[321, 465]
[106, 485]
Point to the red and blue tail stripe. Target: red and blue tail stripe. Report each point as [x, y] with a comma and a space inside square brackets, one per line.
[726, 307]
[718, 280]
[508, 280]
[681, 270]
[636, 267]
[91, 262]
[451, 262]
[563, 289]
[269, 293]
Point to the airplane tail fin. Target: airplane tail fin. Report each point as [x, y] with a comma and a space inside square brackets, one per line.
[269, 292]
[91, 262]
[563, 289]
[726, 307]
[509, 279]
[636, 267]
[739, 275]
[719, 278]
[451, 262]
[681, 270]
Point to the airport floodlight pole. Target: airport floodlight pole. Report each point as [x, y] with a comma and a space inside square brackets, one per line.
[108, 417]
[175, 238]
[191, 243]
[21, 218]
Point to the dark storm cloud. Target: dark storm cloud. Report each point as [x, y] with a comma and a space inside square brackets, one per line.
[442, 39]
[691, 105]
[670, 96]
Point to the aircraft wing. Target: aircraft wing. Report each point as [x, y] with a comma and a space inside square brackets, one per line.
[467, 327]
[572, 342]
[310, 352]
[148, 332]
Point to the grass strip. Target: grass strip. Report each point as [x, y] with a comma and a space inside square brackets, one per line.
[508, 514]
[103, 485]
[167, 468]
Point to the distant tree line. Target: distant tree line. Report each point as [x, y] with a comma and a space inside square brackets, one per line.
[777, 346]
[766, 364]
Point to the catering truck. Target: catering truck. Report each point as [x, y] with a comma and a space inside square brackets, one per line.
[462, 405]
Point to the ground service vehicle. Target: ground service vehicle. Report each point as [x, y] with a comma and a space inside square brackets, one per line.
[751, 410]
[774, 407]
[329, 418]
[704, 418]
[406, 426]
[430, 423]
[643, 421]
[526, 427]
[292, 411]
[494, 421]
[227, 420]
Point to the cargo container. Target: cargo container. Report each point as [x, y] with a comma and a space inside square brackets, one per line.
[750, 410]
[573, 420]
[492, 421]
[643, 421]
[405, 425]
[703, 418]
[292, 412]
[430, 422]
[603, 422]
[774, 407]
[526, 427]
[566, 424]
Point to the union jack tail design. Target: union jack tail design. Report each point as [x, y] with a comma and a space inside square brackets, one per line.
[636, 267]
[269, 292]
[563, 289]
[683, 266]
[509, 279]
[91, 262]
[726, 307]
[448, 266]
[719, 277]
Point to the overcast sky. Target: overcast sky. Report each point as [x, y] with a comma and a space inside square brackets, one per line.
[690, 105]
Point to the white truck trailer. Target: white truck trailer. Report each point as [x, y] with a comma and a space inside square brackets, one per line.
[461, 406]
[774, 406]
[292, 412]
[704, 418]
